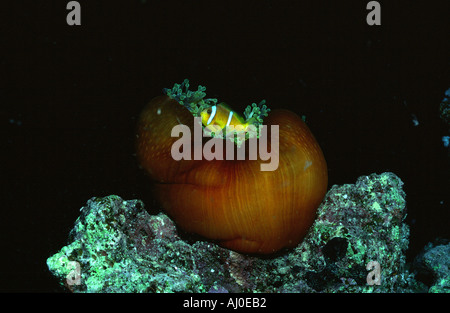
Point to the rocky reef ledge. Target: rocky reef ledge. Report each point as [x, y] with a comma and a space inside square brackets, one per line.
[356, 244]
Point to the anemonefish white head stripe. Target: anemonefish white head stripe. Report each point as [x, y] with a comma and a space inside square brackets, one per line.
[230, 116]
[213, 114]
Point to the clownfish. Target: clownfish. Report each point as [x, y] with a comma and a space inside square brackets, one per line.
[217, 117]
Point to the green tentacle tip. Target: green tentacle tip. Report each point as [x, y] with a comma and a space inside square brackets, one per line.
[194, 101]
[256, 113]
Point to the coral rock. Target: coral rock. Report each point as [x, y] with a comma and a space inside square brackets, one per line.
[116, 246]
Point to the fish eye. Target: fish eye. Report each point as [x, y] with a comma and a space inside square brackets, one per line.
[209, 111]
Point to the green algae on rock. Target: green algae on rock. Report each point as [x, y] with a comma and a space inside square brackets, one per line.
[116, 246]
[433, 263]
[444, 107]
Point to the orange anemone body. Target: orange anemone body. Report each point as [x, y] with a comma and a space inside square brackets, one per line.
[233, 202]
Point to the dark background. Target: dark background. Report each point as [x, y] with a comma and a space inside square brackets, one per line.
[70, 96]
